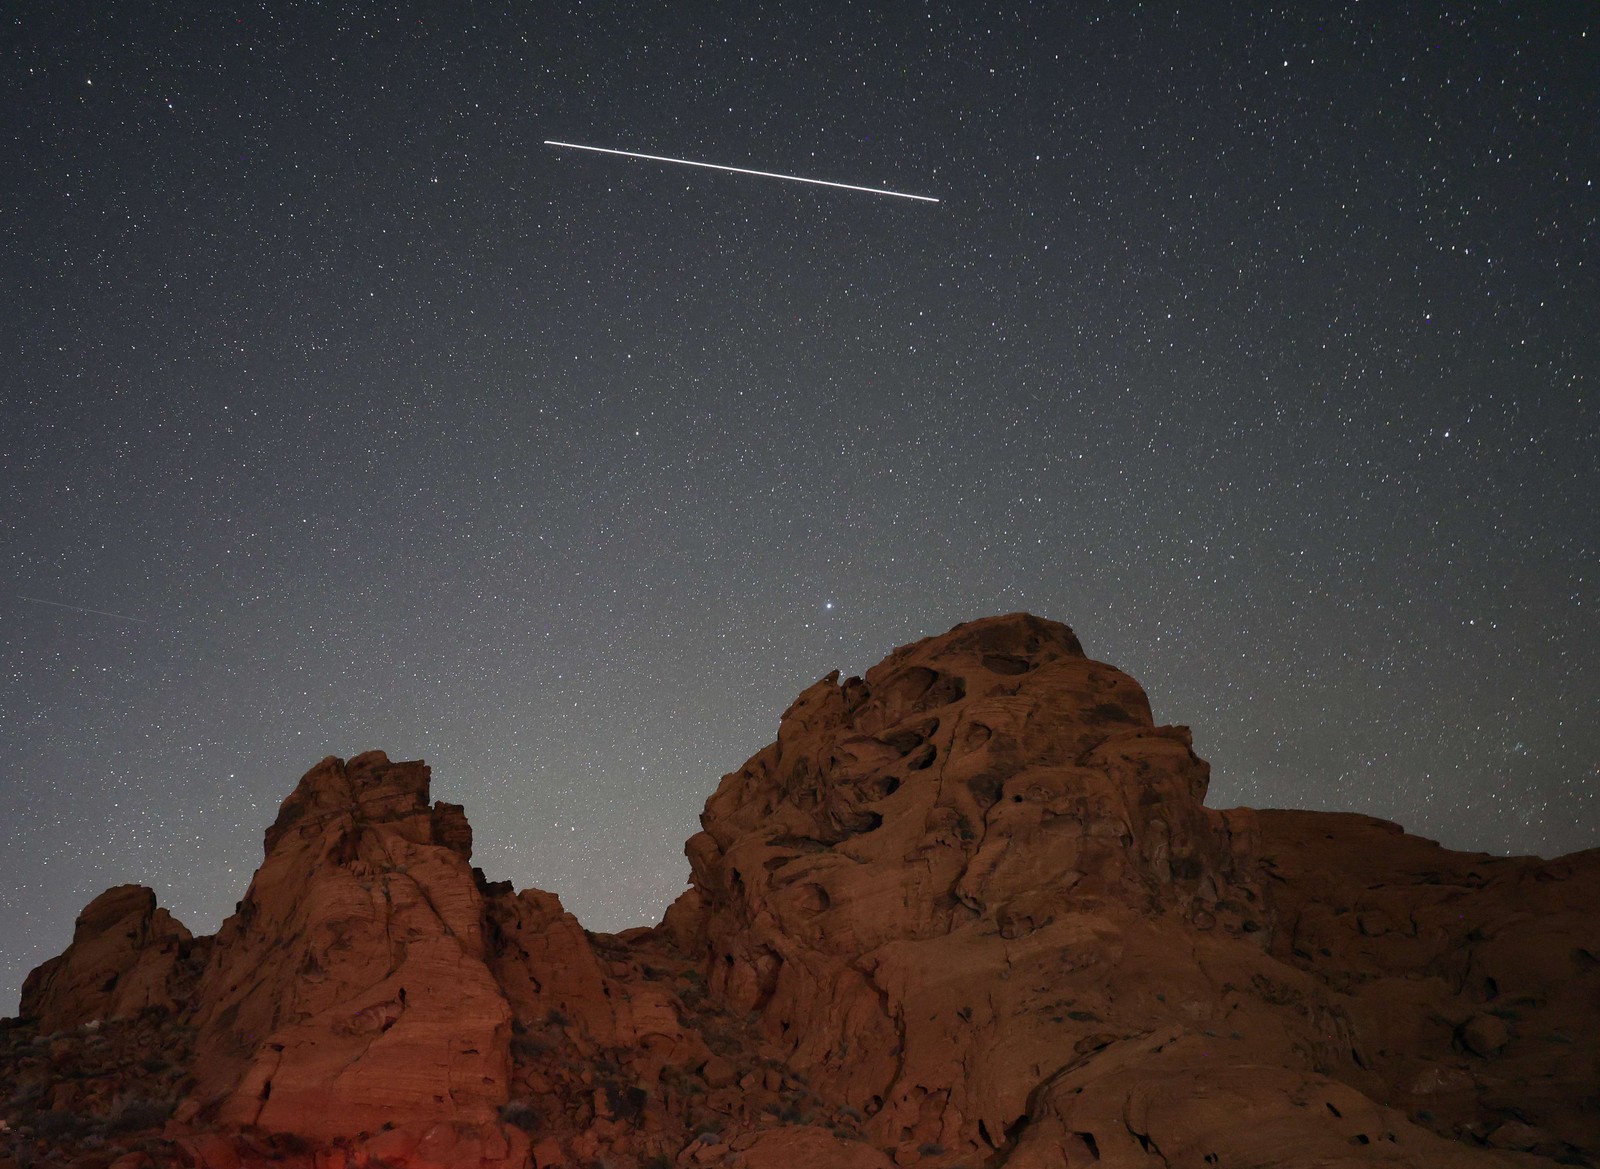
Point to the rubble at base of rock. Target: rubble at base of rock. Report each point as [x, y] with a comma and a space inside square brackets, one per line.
[970, 910]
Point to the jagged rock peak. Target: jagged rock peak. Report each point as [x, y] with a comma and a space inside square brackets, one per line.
[369, 783]
[350, 990]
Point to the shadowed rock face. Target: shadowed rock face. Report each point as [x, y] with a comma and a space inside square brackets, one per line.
[123, 958]
[968, 910]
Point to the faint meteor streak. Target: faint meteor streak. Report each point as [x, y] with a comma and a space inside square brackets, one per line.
[739, 170]
[81, 609]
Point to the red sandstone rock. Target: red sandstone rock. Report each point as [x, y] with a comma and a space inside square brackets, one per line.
[804, 1145]
[968, 910]
[351, 990]
[123, 959]
[1469, 981]
[982, 873]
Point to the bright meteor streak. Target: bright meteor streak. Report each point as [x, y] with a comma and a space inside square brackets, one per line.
[739, 170]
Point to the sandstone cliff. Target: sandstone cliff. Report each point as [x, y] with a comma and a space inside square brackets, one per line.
[970, 910]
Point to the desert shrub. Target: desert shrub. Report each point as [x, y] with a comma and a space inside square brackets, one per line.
[28, 1096]
[626, 1102]
[521, 1114]
[527, 1047]
[137, 1112]
[289, 1144]
[59, 1126]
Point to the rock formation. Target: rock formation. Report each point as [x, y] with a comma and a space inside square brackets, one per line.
[352, 986]
[970, 910]
[123, 958]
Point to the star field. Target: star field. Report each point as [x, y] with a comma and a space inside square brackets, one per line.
[1258, 346]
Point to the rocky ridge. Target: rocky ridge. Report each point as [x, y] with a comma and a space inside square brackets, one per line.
[967, 911]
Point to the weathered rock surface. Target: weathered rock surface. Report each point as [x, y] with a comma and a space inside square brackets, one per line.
[124, 957]
[351, 990]
[977, 897]
[1471, 982]
[969, 910]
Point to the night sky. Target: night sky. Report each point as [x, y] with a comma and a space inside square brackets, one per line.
[1260, 346]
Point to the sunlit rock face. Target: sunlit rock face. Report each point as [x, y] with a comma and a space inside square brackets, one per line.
[968, 910]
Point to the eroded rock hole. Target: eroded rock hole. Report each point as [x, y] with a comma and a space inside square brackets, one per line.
[1187, 868]
[1110, 712]
[806, 844]
[986, 789]
[902, 742]
[910, 686]
[946, 690]
[1006, 664]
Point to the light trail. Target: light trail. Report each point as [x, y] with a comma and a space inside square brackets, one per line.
[81, 609]
[739, 170]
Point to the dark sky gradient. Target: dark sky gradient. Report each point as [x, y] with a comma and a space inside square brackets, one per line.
[1260, 347]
